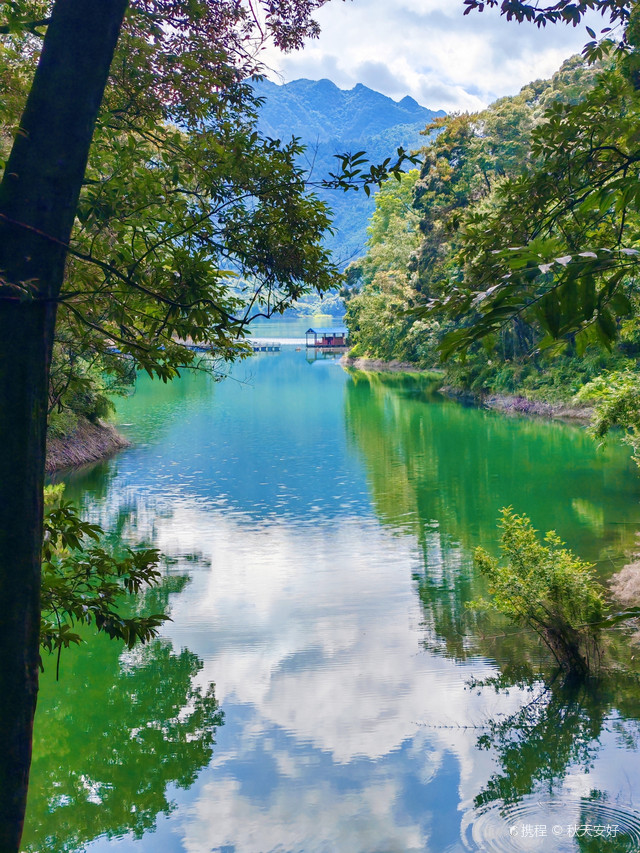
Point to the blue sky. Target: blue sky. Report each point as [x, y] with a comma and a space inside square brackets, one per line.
[429, 50]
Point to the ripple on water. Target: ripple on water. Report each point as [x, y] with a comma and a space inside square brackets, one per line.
[563, 824]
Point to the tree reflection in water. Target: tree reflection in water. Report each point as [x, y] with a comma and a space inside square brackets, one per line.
[111, 738]
[557, 731]
[558, 727]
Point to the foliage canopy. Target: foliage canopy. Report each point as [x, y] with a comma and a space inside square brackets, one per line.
[446, 253]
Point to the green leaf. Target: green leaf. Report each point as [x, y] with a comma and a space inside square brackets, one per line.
[621, 304]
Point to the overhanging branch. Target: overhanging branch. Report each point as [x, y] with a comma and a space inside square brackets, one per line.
[28, 26]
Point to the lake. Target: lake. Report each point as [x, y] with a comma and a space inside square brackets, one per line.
[318, 688]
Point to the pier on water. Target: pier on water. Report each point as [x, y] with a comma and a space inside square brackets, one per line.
[260, 345]
[273, 344]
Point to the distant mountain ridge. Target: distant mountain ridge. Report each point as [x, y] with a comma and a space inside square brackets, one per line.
[318, 110]
[330, 121]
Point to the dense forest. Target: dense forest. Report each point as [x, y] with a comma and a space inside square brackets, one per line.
[509, 256]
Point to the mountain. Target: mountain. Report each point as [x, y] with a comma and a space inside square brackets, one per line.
[332, 121]
[318, 111]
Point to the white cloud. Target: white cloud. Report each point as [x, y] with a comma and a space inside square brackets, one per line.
[300, 646]
[321, 648]
[429, 50]
[302, 819]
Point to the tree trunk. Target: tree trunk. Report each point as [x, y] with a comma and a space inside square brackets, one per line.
[38, 200]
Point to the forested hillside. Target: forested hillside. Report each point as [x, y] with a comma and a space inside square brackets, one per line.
[331, 121]
[446, 273]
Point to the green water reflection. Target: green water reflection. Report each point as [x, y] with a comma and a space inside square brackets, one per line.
[441, 473]
[443, 477]
[326, 521]
[114, 736]
[432, 460]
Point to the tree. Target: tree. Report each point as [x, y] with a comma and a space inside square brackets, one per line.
[377, 316]
[37, 208]
[457, 208]
[559, 245]
[173, 60]
[547, 589]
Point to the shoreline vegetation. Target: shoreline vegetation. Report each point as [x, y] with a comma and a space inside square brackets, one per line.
[509, 404]
[88, 442]
[378, 365]
[420, 296]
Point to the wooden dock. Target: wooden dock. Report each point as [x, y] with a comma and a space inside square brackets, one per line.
[259, 345]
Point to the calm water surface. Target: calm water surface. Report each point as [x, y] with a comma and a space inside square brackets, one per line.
[314, 689]
[292, 327]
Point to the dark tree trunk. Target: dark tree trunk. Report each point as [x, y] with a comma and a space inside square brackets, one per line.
[38, 199]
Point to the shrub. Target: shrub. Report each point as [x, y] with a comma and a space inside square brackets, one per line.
[616, 397]
[546, 588]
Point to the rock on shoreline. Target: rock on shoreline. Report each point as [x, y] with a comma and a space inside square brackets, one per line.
[518, 405]
[89, 442]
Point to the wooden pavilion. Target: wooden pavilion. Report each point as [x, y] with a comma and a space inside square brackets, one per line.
[327, 337]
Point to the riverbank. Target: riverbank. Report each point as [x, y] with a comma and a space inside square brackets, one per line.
[89, 442]
[509, 404]
[376, 365]
[514, 404]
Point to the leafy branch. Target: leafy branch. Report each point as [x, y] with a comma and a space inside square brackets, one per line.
[353, 175]
[83, 584]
